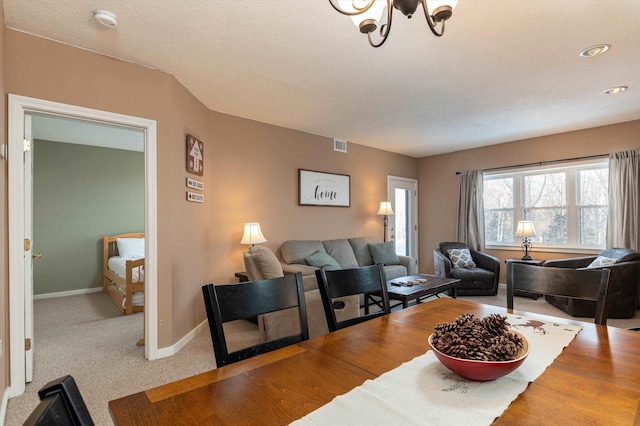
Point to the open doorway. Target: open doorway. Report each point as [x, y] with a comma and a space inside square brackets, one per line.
[20, 254]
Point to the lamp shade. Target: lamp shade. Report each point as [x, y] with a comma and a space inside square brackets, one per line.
[252, 234]
[374, 13]
[525, 229]
[385, 208]
[434, 5]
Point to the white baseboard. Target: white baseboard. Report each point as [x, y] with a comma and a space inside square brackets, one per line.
[67, 293]
[3, 407]
[172, 350]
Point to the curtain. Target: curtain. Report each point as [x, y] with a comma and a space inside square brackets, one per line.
[623, 221]
[470, 221]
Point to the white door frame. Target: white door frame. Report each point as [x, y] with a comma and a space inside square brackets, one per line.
[18, 107]
[410, 184]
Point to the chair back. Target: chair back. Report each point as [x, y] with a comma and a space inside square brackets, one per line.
[248, 300]
[577, 283]
[60, 404]
[347, 282]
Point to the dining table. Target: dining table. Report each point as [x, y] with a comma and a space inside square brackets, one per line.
[594, 380]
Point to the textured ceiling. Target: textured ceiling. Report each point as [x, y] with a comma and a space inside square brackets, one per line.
[504, 70]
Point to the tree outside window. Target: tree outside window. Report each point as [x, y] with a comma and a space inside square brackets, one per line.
[567, 204]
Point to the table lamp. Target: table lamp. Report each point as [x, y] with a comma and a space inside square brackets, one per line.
[385, 210]
[252, 234]
[525, 230]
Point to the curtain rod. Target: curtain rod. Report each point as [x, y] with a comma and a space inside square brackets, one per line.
[542, 163]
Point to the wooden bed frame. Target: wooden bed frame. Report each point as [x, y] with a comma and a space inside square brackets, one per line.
[110, 279]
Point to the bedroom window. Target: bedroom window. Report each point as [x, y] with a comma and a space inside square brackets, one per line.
[567, 204]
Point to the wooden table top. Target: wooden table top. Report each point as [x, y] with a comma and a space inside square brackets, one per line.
[596, 379]
[433, 285]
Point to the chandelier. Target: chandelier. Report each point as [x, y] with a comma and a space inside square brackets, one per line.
[366, 14]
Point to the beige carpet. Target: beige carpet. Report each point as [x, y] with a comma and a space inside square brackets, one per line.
[87, 337]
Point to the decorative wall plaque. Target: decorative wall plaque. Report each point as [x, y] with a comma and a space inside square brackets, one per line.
[195, 155]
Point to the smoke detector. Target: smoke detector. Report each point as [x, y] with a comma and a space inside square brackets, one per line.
[106, 18]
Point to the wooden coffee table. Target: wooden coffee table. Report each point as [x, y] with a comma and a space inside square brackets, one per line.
[400, 289]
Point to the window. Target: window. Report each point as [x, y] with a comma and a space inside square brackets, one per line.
[567, 204]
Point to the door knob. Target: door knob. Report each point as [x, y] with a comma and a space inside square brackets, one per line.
[36, 255]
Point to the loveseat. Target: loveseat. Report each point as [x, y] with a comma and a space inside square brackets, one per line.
[624, 281]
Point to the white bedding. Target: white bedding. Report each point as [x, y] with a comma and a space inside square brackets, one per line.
[118, 265]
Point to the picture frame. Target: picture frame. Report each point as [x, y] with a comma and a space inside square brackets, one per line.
[195, 155]
[323, 189]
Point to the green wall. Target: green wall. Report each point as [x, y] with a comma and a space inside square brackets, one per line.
[81, 193]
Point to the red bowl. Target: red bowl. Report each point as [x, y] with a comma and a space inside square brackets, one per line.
[482, 371]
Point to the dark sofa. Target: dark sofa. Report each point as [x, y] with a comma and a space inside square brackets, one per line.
[624, 282]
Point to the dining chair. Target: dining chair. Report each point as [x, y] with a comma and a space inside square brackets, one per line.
[585, 284]
[248, 300]
[346, 282]
[60, 404]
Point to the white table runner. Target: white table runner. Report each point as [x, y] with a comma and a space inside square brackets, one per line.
[423, 391]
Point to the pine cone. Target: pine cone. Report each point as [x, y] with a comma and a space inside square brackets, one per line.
[485, 339]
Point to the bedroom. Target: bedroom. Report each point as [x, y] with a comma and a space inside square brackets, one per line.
[82, 190]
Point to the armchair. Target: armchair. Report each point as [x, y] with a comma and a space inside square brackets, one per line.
[624, 282]
[481, 280]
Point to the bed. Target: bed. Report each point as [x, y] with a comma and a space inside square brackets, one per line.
[123, 271]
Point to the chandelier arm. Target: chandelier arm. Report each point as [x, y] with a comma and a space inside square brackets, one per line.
[358, 10]
[385, 28]
[430, 21]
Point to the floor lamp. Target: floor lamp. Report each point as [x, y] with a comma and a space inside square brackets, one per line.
[385, 210]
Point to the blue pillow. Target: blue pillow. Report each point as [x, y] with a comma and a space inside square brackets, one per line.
[322, 260]
[384, 253]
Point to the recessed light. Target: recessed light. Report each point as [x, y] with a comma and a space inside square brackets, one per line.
[616, 90]
[106, 18]
[596, 50]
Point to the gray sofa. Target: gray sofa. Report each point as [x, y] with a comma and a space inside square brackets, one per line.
[349, 253]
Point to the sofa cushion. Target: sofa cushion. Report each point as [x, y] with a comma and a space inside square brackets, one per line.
[295, 251]
[321, 259]
[384, 253]
[392, 272]
[266, 262]
[461, 258]
[601, 261]
[360, 248]
[342, 252]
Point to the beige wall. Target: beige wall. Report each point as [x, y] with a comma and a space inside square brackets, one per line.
[250, 170]
[438, 190]
[4, 242]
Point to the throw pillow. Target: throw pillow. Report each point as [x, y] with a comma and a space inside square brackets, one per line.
[601, 261]
[384, 253]
[266, 262]
[322, 260]
[461, 258]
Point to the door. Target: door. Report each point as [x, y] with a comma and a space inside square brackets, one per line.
[29, 254]
[403, 224]
[21, 303]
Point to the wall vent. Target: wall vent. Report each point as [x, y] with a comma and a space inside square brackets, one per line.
[340, 146]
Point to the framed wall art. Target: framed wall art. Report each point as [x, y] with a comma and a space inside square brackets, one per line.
[195, 155]
[323, 189]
